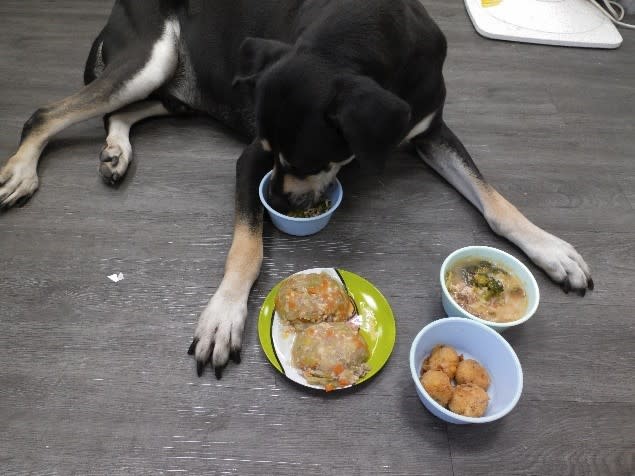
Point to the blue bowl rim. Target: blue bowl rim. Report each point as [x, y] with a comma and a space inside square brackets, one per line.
[340, 194]
[497, 325]
[486, 419]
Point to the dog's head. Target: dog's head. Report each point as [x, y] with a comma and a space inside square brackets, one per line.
[315, 116]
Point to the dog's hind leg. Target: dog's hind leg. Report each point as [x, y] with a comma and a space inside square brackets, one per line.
[116, 155]
[132, 76]
[443, 151]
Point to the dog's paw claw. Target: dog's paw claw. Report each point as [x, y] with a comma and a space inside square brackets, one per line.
[566, 285]
[22, 201]
[590, 284]
[234, 356]
[218, 372]
[199, 367]
[192, 348]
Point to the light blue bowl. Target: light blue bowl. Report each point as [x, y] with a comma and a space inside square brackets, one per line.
[475, 341]
[505, 261]
[302, 226]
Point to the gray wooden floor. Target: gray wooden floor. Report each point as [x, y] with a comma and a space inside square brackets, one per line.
[94, 376]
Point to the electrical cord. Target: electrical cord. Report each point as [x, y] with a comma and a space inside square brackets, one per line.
[613, 15]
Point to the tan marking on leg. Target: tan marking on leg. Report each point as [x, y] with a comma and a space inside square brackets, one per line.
[503, 217]
[57, 117]
[245, 257]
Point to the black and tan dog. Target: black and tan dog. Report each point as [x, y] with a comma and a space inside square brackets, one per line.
[314, 83]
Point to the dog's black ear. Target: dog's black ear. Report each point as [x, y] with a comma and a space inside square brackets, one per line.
[255, 55]
[372, 119]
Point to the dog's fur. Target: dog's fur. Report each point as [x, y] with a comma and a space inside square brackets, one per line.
[312, 83]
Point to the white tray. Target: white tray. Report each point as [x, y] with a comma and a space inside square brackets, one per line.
[549, 22]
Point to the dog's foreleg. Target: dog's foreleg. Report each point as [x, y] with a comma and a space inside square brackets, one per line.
[132, 77]
[116, 155]
[218, 335]
[443, 151]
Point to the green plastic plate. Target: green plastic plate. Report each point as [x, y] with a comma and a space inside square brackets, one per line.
[374, 316]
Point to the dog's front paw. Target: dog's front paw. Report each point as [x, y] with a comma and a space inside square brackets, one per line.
[218, 336]
[562, 263]
[18, 181]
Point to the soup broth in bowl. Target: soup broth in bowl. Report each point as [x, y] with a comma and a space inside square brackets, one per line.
[486, 290]
[488, 285]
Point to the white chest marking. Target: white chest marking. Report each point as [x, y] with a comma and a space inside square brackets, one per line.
[159, 67]
[421, 127]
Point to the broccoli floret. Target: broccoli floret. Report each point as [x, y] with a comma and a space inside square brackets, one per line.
[494, 288]
[481, 280]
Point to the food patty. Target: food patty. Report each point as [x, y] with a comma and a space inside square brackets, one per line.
[313, 298]
[330, 354]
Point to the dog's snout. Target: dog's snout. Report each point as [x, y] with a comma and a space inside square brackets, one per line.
[277, 199]
[283, 202]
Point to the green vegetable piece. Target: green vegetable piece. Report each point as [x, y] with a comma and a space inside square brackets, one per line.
[494, 288]
[481, 280]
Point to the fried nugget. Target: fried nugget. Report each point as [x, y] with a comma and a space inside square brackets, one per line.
[438, 386]
[442, 357]
[469, 400]
[470, 371]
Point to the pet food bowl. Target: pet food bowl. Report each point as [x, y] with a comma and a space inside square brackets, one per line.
[302, 226]
[474, 341]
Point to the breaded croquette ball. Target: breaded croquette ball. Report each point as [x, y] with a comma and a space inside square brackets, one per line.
[469, 400]
[470, 371]
[438, 386]
[442, 357]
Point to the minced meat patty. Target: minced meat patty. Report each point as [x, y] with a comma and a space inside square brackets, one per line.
[312, 298]
[330, 354]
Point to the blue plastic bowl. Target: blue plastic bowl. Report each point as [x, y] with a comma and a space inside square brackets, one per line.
[500, 258]
[302, 226]
[475, 341]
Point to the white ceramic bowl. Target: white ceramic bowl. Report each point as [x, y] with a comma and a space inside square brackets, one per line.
[505, 261]
[302, 226]
[475, 341]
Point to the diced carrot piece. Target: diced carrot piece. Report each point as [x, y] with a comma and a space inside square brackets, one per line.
[325, 286]
[338, 369]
